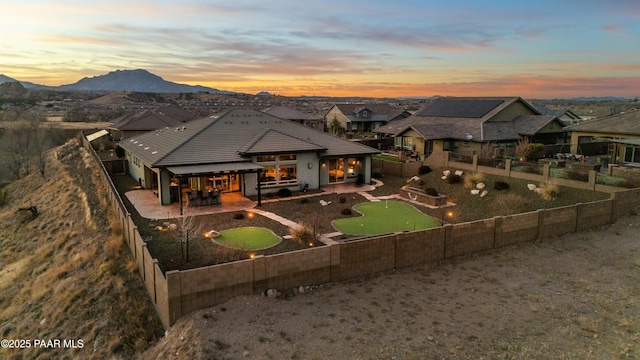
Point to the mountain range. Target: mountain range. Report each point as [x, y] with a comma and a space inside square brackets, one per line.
[123, 80]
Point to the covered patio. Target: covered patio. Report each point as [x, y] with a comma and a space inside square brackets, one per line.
[146, 203]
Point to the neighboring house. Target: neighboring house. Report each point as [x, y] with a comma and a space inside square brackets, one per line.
[565, 115]
[473, 126]
[620, 131]
[244, 151]
[283, 112]
[141, 122]
[363, 118]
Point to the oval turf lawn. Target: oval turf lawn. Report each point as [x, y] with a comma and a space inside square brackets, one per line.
[384, 217]
[248, 238]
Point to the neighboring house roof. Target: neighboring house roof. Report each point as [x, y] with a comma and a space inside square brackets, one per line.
[463, 118]
[379, 112]
[627, 123]
[233, 136]
[286, 113]
[152, 119]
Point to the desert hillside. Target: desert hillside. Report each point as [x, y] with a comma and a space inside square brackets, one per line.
[65, 274]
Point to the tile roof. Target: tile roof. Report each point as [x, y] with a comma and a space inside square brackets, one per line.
[231, 137]
[152, 119]
[627, 123]
[287, 113]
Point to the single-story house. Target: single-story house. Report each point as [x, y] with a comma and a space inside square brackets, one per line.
[309, 120]
[565, 115]
[132, 124]
[470, 125]
[363, 118]
[620, 131]
[243, 151]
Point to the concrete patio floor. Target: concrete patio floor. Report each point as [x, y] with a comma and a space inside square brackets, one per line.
[147, 204]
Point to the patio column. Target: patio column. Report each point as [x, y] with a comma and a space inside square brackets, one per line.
[258, 173]
[164, 183]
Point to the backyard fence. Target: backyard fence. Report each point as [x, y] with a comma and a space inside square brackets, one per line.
[178, 293]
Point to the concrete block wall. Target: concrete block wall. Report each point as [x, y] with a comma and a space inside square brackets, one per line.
[367, 256]
[293, 269]
[624, 202]
[467, 238]
[558, 221]
[514, 229]
[418, 248]
[594, 214]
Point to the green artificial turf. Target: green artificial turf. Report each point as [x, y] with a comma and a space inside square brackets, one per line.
[248, 238]
[385, 217]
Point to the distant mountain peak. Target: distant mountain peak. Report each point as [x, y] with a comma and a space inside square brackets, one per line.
[138, 80]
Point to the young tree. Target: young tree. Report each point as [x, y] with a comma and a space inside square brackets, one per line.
[336, 127]
[189, 227]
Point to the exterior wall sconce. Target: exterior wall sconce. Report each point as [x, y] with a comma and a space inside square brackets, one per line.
[309, 165]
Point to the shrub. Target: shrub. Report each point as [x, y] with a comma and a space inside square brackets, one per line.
[501, 185]
[472, 179]
[284, 192]
[377, 175]
[342, 199]
[3, 196]
[431, 191]
[424, 169]
[346, 211]
[302, 234]
[454, 179]
[549, 191]
[238, 216]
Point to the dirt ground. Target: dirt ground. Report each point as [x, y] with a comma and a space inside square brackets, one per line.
[575, 297]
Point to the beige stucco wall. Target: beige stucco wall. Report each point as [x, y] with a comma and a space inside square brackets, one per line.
[336, 113]
[511, 111]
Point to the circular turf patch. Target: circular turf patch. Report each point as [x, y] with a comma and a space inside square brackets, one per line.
[248, 238]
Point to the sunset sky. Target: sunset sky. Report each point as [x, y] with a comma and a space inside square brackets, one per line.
[533, 49]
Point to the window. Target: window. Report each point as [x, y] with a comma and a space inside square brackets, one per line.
[632, 155]
[282, 170]
[269, 158]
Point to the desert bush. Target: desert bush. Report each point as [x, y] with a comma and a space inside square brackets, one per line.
[302, 234]
[284, 192]
[238, 216]
[549, 191]
[424, 169]
[501, 185]
[454, 179]
[431, 191]
[342, 199]
[3, 196]
[346, 211]
[472, 179]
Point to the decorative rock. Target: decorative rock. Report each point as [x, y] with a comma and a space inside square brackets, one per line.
[444, 177]
[475, 192]
[415, 178]
[459, 172]
[484, 193]
[301, 289]
[480, 186]
[173, 227]
[272, 293]
[446, 172]
[531, 187]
